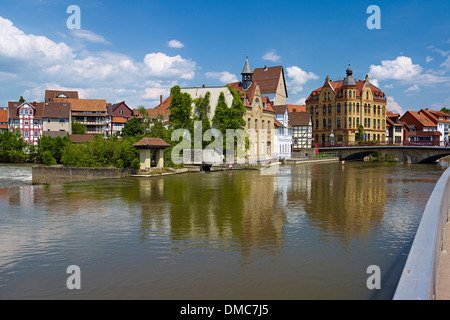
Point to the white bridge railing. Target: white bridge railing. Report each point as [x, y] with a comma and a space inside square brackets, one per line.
[418, 280]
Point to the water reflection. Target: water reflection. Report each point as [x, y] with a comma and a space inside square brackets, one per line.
[239, 234]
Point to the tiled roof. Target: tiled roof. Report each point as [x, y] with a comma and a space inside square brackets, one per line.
[54, 134]
[268, 78]
[296, 108]
[3, 115]
[85, 105]
[51, 94]
[359, 87]
[280, 109]
[119, 120]
[151, 143]
[81, 138]
[299, 119]
[56, 110]
[13, 109]
[278, 124]
[163, 107]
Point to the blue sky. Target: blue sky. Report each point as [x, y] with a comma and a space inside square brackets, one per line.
[137, 50]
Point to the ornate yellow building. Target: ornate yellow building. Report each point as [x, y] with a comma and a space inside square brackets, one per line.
[339, 107]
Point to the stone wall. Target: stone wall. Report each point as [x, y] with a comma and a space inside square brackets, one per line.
[59, 174]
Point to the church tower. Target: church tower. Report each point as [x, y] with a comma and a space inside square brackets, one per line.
[247, 76]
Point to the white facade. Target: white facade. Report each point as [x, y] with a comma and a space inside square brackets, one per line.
[283, 136]
[196, 93]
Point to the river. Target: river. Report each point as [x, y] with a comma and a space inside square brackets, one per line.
[303, 232]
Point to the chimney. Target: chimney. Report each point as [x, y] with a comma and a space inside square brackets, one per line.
[204, 86]
[160, 99]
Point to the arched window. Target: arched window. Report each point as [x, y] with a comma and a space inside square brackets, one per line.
[256, 124]
[312, 110]
[367, 95]
[317, 123]
[324, 109]
[349, 122]
[249, 123]
[324, 123]
[262, 124]
[268, 126]
[329, 108]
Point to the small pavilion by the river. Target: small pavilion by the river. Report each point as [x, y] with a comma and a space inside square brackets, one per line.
[151, 152]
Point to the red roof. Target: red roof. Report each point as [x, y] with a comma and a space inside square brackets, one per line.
[3, 115]
[359, 88]
[152, 143]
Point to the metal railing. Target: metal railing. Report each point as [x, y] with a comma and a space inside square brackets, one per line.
[419, 276]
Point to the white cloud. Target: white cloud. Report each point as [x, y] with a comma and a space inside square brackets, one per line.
[38, 50]
[429, 59]
[298, 78]
[88, 36]
[39, 63]
[271, 56]
[301, 101]
[175, 44]
[414, 88]
[403, 69]
[393, 106]
[224, 76]
[162, 65]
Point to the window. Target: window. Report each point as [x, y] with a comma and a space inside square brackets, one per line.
[367, 95]
[249, 123]
[329, 108]
[365, 122]
[329, 123]
[349, 122]
[62, 120]
[120, 111]
[324, 123]
[317, 123]
[268, 126]
[378, 125]
[357, 108]
[25, 134]
[338, 122]
[349, 93]
[262, 124]
[317, 109]
[256, 124]
[36, 133]
[324, 109]
[357, 122]
[338, 107]
[312, 110]
[374, 123]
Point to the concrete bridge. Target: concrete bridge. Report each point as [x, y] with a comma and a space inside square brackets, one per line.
[406, 154]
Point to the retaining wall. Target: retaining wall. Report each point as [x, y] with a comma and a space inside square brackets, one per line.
[418, 280]
[59, 175]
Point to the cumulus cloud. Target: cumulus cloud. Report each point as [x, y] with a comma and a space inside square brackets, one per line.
[271, 56]
[39, 50]
[58, 65]
[401, 68]
[224, 76]
[297, 78]
[162, 65]
[429, 59]
[393, 106]
[404, 70]
[175, 44]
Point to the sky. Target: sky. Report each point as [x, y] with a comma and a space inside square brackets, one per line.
[136, 50]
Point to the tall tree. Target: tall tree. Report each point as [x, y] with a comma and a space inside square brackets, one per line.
[78, 128]
[21, 99]
[181, 110]
[237, 110]
[222, 115]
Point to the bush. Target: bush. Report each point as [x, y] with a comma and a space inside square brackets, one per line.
[47, 159]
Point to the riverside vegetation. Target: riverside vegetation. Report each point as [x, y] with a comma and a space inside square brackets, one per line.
[118, 151]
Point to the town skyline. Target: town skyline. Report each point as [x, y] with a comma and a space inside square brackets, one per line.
[136, 53]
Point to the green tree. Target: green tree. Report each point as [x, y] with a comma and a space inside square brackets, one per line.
[360, 133]
[446, 110]
[78, 128]
[237, 110]
[21, 99]
[222, 115]
[54, 146]
[12, 147]
[134, 127]
[181, 110]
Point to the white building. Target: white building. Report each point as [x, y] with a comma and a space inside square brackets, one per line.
[283, 133]
[302, 137]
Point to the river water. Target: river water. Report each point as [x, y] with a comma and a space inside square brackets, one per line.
[303, 232]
